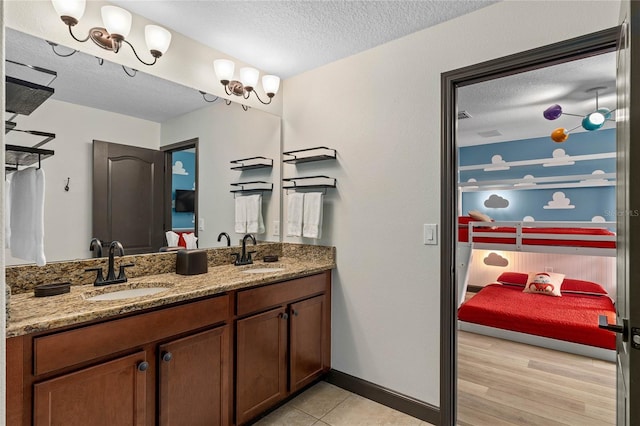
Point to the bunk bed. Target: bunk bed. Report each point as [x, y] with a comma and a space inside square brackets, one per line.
[568, 323]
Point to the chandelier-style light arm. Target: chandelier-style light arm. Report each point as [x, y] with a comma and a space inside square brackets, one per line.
[155, 58]
[63, 55]
[76, 38]
[270, 95]
[204, 96]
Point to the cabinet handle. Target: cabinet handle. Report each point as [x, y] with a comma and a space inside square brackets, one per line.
[143, 366]
[167, 356]
[294, 312]
[284, 315]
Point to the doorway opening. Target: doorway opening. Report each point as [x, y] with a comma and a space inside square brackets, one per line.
[181, 192]
[453, 202]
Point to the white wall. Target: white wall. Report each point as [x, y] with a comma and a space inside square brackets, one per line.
[68, 215]
[226, 133]
[381, 110]
[3, 319]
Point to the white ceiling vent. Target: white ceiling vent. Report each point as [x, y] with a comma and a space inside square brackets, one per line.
[463, 114]
[489, 134]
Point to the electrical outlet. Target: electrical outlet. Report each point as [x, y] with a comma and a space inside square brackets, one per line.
[276, 228]
[200, 224]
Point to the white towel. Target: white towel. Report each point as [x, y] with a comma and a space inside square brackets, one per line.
[172, 238]
[7, 212]
[190, 239]
[255, 222]
[312, 215]
[241, 215]
[294, 214]
[27, 211]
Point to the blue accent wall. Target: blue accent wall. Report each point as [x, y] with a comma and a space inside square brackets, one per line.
[556, 204]
[183, 177]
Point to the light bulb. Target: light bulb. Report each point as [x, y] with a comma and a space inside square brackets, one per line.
[117, 21]
[157, 38]
[270, 84]
[224, 70]
[593, 121]
[73, 9]
[249, 77]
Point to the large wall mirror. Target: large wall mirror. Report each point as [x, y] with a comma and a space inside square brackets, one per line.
[96, 100]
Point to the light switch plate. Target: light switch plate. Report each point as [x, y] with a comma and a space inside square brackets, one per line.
[200, 224]
[430, 234]
[276, 228]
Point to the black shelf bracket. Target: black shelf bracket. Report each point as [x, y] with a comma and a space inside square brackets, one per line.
[252, 163]
[297, 158]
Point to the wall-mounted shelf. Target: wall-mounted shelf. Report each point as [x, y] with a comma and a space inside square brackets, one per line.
[252, 163]
[547, 182]
[307, 155]
[310, 182]
[252, 186]
[23, 156]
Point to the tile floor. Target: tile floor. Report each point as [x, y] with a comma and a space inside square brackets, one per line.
[327, 405]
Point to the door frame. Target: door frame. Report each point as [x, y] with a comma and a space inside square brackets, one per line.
[168, 177]
[553, 54]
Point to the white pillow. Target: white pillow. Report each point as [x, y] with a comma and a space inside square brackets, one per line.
[547, 283]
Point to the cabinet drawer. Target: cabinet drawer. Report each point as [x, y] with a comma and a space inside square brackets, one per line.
[72, 347]
[261, 298]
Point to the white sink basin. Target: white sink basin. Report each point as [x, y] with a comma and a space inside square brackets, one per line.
[127, 294]
[262, 270]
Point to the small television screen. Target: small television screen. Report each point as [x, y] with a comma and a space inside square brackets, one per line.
[185, 200]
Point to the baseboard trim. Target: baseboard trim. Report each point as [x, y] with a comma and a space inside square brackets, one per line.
[384, 396]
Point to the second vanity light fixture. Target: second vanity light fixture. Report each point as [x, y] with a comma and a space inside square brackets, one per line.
[225, 68]
[117, 25]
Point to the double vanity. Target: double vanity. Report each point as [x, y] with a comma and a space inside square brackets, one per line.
[218, 348]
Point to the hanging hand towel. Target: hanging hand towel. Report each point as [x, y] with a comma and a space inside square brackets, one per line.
[190, 239]
[27, 211]
[255, 223]
[241, 215]
[7, 212]
[312, 215]
[294, 214]
[172, 238]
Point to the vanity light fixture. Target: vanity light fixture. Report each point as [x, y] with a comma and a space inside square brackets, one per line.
[592, 121]
[117, 25]
[224, 69]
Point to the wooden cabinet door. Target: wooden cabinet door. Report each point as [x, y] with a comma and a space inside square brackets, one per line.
[308, 341]
[261, 363]
[112, 393]
[194, 379]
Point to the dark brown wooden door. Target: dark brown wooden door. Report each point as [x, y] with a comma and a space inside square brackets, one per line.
[194, 380]
[128, 191]
[261, 363]
[112, 393]
[308, 341]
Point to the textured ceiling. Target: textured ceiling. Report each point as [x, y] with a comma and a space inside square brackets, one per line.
[286, 38]
[513, 105]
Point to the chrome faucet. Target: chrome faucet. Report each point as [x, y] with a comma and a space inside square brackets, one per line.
[245, 258]
[224, 234]
[111, 273]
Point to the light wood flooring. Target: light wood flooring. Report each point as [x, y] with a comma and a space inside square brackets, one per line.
[507, 383]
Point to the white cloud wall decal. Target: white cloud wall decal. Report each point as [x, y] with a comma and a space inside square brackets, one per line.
[526, 181]
[595, 180]
[598, 219]
[178, 169]
[528, 219]
[499, 164]
[560, 201]
[496, 202]
[560, 158]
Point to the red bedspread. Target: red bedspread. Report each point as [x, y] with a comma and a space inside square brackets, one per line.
[572, 317]
[463, 236]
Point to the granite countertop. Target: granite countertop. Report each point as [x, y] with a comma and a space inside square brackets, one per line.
[30, 314]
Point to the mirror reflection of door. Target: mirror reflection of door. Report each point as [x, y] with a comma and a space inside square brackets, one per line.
[128, 196]
[181, 190]
[513, 370]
